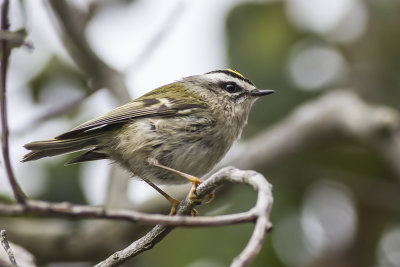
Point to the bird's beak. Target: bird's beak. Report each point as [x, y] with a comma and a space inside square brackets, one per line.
[258, 92]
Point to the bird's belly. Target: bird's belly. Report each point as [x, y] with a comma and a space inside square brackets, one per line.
[196, 158]
[191, 152]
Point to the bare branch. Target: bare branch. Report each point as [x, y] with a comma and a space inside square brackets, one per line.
[40, 208]
[5, 52]
[259, 214]
[263, 224]
[44, 208]
[7, 248]
[73, 22]
[229, 174]
[16, 39]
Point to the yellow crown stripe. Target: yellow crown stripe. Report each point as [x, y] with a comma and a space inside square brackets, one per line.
[235, 72]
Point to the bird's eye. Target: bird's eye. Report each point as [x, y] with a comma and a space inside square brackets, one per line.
[231, 87]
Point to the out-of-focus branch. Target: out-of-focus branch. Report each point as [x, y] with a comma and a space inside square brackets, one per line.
[7, 248]
[13, 254]
[5, 52]
[261, 211]
[73, 23]
[53, 113]
[15, 39]
[336, 113]
[157, 38]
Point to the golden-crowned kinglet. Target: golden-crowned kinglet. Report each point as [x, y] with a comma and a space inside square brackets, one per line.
[186, 126]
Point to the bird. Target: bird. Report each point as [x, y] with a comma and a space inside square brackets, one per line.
[169, 136]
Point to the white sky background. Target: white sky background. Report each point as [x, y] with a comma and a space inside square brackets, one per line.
[196, 44]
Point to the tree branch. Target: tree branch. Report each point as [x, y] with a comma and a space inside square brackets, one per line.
[16, 39]
[261, 211]
[259, 214]
[44, 208]
[5, 52]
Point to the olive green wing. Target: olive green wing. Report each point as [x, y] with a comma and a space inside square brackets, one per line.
[157, 103]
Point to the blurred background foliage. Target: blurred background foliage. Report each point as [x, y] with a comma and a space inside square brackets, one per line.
[337, 203]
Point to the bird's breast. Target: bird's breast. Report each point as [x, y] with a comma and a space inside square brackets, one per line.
[191, 144]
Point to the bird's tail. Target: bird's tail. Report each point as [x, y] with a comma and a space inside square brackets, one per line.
[58, 146]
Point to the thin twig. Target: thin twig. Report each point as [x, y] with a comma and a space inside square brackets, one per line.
[7, 248]
[44, 208]
[18, 193]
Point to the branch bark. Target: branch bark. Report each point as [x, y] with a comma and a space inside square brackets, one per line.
[261, 213]
[258, 214]
[5, 52]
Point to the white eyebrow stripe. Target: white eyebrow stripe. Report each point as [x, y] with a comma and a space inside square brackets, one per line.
[217, 77]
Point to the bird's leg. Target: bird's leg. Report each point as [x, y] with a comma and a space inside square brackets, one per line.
[173, 201]
[195, 181]
[192, 193]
